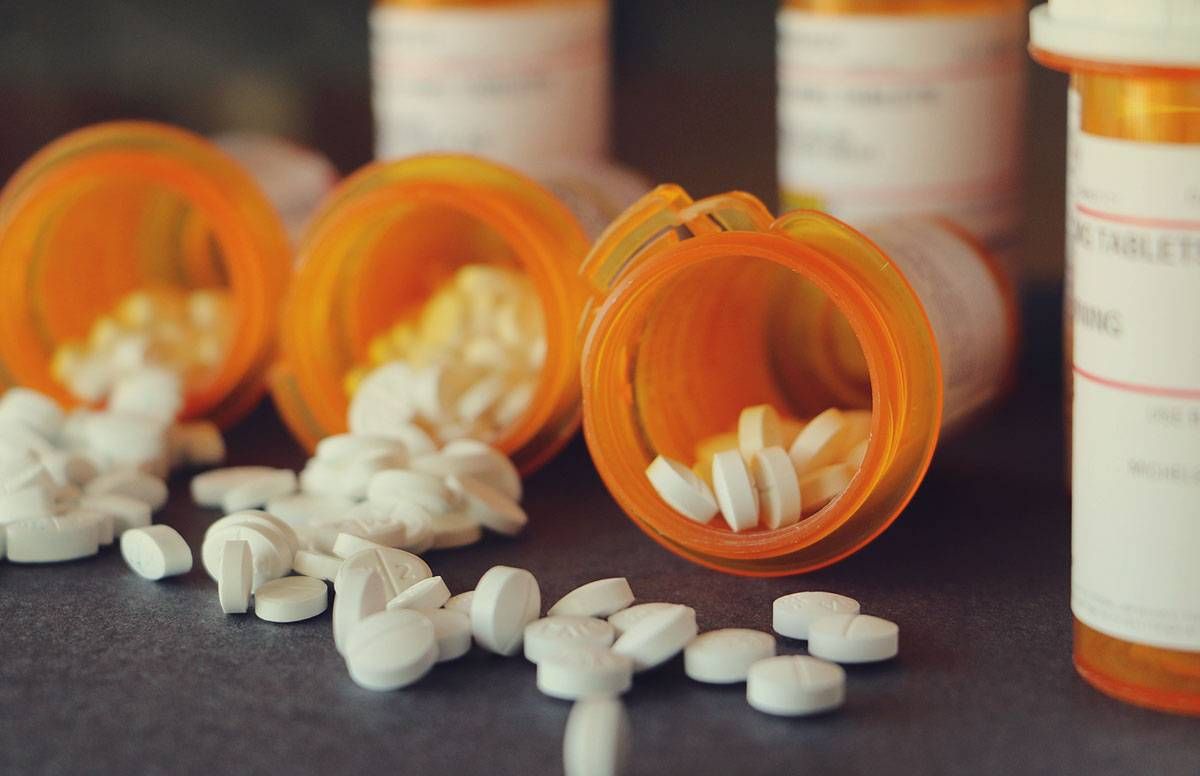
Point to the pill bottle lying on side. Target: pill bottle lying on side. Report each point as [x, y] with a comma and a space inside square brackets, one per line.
[710, 307]
[135, 244]
[447, 288]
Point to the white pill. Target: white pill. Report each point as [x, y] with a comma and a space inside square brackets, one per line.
[452, 629]
[505, 601]
[683, 491]
[853, 638]
[150, 490]
[658, 637]
[425, 594]
[397, 569]
[35, 410]
[725, 656]
[391, 649]
[387, 488]
[126, 437]
[262, 519]
[415, 439]
[778, 487]
[156, 552]
[479, 399]
[386, 529]
[596, 740]
[488, 506]
[555, 632]
[303, 509]
[819, 443]
[209, 488]
[474, 459]
[734, 489]
[317, 565]
[821, 486]
[291, 599]
[601, 598]
[418, 527]
[346, 545]
[272, 558]
[758, 428]
[795, 685]
[67, 468]
[101, 522]
[198, 443]
[382, 402]
[50, 540]
[455, 529]
[460, 602]
[580, 670]
[236, 577]
[31, 503]
[857, 454]
[126, 512]
[627, 618]
[151, 391]
[360, 594]
[793, 614]
[255, 492]
[342, 447]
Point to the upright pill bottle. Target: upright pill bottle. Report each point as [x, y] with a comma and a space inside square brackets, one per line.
[518, 81]
[902, 107]
[394, 233]
[114, 208]
[702, 308]
[1133, 229]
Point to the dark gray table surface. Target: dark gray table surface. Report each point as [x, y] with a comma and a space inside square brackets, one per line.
[104, 672]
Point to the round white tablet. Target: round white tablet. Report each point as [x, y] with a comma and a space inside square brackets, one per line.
[453, 633]
[627, 618]
[133, 483]
[734, 488]
[683, 491]
[255, 492]
[317, 565]
[758, 428]
[795, 685]
[488, 506]
[579, 670]
[303, 509]
[391, 649]
[853, 638]
[291, 599]
[256, 517]
[50, 540]
[126, 512]
[778, 487]
[821, 486]
[346, 545]
[470, 458]
[725, 656]
[549, 634]
[156, 551]
[505, 601]
[818, 444]
[455, 529]
[397, 569]
[209, 488]
[392, 486]
[359, 595]
[600, 598]
[596, 741]
[791, 615]
[658, 637]
[236, 577]
[460, 602]
[423, 595]
[269, 551]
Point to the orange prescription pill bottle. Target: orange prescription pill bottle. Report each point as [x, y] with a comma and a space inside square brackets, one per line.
[395, 234]
[902, 107]
[702, 308]
[108, 212]
[1133, 278]
[518, 81]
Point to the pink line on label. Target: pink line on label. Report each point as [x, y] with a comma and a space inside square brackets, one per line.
[1149, 223]
[1149, 390]
[990, 68]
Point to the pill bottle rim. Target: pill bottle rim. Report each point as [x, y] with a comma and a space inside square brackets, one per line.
[1069, 64]
[255, 247]
[743, 553]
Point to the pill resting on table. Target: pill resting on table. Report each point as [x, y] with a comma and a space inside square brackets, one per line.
[291, 599]
[156, 551]
[601, 598]
[506, 600]
[725, 656]
[853, 638]
[596, 740]
[557, 631]
[793, 614]
[579, 670]
[795, 685]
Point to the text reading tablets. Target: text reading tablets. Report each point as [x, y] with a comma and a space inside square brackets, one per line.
[683, 491]
[658, 637]
[291, 599]
[557, 631]
[725, 656]
[391, 649]
[853, 638]
[236, 577]
[580, 670]
[596, 740]
[505, 601]
[600, 598]
[793, 614]
[156, 552]
[795, 685]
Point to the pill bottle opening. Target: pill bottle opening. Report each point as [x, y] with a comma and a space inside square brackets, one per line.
[129, 245]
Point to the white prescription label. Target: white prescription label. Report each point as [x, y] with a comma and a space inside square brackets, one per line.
[519, 85]
[1134, 225]
[882, 116]
[967, 309]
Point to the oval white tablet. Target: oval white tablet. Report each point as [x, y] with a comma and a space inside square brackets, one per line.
[291, 599]
[273, 525]
[791, 615]
[391, 649]
[627, 618]
[453, 530]
[549, 634]
[734, 489]
[683, 491]
[346, 545]
[460, 602]
[317, 565]
[596, 741]
[474, 459]
[452, 629]
[236, 577]
[758, 428]
[126, 512]
[821, 486]
[819, 443]
[489, 506]
[600, 598]
[423, 595]
[132, 483]
[50, 540]
[359, 595]
[778, 488]
[303, 509]
[270, 554]
[209, 488]
[391, 486]
[398, 570]
[725, 656]
[580, 670]
[342, 447]
[658, 637]
[255, 492]
[853, 638]
[156, 551]
[505, 601]
[795, 685]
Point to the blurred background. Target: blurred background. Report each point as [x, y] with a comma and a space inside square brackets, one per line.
[694, 87]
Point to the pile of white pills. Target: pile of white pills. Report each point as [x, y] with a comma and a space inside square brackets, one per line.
[771, 472]
[466, 365]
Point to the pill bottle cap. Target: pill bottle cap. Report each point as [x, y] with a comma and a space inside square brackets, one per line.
[1164, 33]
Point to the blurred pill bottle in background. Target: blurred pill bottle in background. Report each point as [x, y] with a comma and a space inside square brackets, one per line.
[905, 107]
[381, 254]
[519, 81]
[703, 308]
[134, 243]
[1133, 263]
